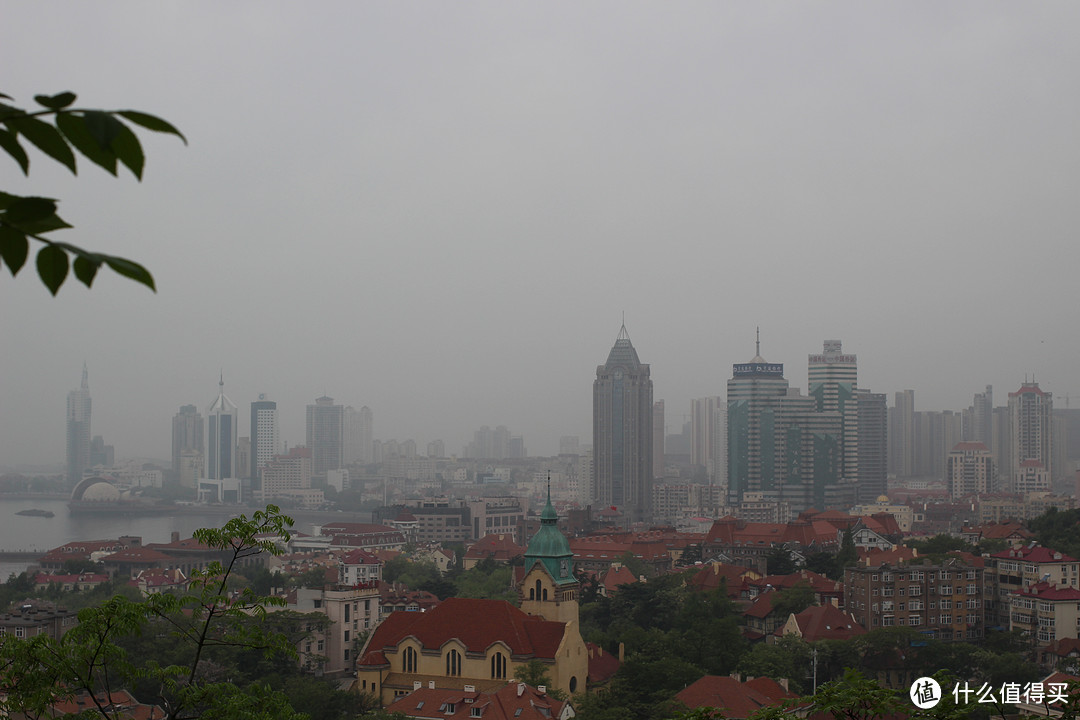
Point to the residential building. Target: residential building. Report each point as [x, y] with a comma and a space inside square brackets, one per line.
[735, 699]
[187, 435]
[222, 426]
[78, 430]
[902, 434]
[943, 601]
[286, 473]
[33, 617]
[623, 432]
[353, 610]
[265, 442]
[659, 455]
[873, 445]
[1046, 612]
[970, 469]
[1011, 572]
[325, 435]
[1031, 412]
[513, 701]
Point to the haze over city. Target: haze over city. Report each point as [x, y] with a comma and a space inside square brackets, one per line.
[442, 212]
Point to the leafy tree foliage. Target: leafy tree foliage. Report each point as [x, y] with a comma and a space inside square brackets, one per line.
[779, 561]
[59, 130]
[1059, 530]
[794, 599]
[91, 657]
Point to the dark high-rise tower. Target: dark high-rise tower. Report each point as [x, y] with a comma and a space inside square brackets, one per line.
[78, 430]
[623, 431]
[325, 435]
[187, 434]
[221, 455]
[754, 393]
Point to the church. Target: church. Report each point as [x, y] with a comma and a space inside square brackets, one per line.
[479, 644]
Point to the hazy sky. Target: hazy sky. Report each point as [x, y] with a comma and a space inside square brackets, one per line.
[441, 210]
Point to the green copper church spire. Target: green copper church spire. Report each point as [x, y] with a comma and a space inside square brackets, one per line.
[550, 547]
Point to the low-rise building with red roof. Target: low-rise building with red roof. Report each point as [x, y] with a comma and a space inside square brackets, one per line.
[1016, 569]
[1046, 612]
[1012, 533]
[746, 543]
[68, 583]
[602, 666]
[821, 622]
[498, 546]
[616, 575]
[736, 700]
[513, 701]
[119, 704]
[465, 640]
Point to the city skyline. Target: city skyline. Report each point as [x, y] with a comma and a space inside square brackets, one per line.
[476, 193]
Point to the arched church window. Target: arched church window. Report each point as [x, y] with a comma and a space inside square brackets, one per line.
[498, 666]
[408, 663]
[453, 663]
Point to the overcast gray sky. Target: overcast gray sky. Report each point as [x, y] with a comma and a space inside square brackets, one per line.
[441, 210]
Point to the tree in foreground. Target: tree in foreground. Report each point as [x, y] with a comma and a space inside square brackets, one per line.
[103, 138]
[90, 659]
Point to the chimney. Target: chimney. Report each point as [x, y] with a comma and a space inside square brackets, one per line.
[622, 652]
[542, 689]
[783, 682]
[431, 684]
[470, 688]
[521, 689]
[416, 685]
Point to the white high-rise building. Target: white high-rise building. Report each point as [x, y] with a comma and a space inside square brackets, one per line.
[833, 380]
[1031, 413]
[265, 442]
[221, 448]
[708, 437]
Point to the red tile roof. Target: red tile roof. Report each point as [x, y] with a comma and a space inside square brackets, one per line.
[1036, 554]
[137, 555]
[602, 665]
[516, 700]
[1046, 591]
[495, 545]
[613, 577]
[737, 700]
[476, 624]
[826, 622]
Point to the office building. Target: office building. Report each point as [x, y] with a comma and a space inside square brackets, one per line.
[873, 446]
[753, 395]
[221, 446]
[325, 435]
[265, 443]
[833, 379]
[78, 430]
[623, 431]
[902, 435]
[708, 438]
[187, 434]
[358, 438]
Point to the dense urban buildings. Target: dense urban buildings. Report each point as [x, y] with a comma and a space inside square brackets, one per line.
[1031, 412]
[623, 431]
[78, 430]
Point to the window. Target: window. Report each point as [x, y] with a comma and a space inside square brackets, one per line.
[945, 620]
[915, 620]
[498, 666]
[453, 663]
[20, 632]
[347, 612]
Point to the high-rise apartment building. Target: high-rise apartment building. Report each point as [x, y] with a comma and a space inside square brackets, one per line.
[833, 380]
[1031, 413]
[873, 446]
[970, 469]
[358, 435]
[708, 438]
[902, 434]
[325, 435]
[753, 395]
[221, 446]
[979, 425]
[623, 431]
[658, 439]
[78, 430]
[187, 434]
[265, 443]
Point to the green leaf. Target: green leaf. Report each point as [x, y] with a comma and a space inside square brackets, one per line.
[6, 200]
[56, 102]
[48, 224]
[130, 269]
[150, 122]
[10, 143]
[45, 137]
[103, 127]
[75, 130]
[127, 148]
[29, 209]
[52, 267]
[86, 267]
[14, 247]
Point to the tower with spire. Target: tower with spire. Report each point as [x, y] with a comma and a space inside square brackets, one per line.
[78, 430]
[623, 431]
[221, 447]
[549, 588]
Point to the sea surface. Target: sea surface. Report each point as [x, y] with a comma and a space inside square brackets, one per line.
[22, 533]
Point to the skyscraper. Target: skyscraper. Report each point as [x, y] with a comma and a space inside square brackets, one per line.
[902, 434]
[833, 379]
[873, 445]
[78, 430]
[326, 435]
[221, 448]
[264, 434]
[1031, 413]
[623, 431]
[753, 395]
[708, 437]
[187, 434]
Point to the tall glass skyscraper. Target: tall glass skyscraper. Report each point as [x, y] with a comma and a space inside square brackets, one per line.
[753, 394]
[221, 448]
[623, 431]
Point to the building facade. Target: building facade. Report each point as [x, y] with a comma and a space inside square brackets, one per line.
[222, 436]
[832, 383]
[753, 395]
[623, 431]
[970, 469]
[264, 434]
[1031, 413]
[187, 435]
[78, 430]
[325, 434]
[873, 446]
